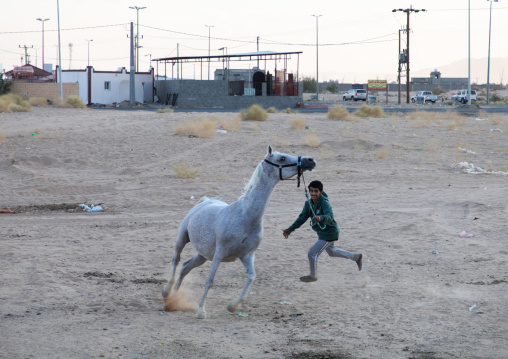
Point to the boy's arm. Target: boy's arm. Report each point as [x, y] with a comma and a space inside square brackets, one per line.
[302, 218]
[327, 215]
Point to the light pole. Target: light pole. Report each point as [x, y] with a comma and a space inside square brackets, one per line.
[137, 35]
[42, 20]
[223, 48]
[89, 51]
[488, 63]
[209, 27]
[59, 51]
[317, 57]
[408, 12]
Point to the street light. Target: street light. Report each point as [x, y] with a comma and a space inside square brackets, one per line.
[223, 48]
[42, 20]
[137, 35]
[89, 51]
[209, 26]
[488, 63]
[408, 11]
[317, 58]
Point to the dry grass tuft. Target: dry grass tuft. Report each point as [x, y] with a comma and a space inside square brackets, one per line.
[382, 154]
[200, 127]
[184, 171]
[495, 119]
[297, 123]
[254, 113]
[338, 112]
[271, 110]
[165, 110]
[2, 137]
[232, 125]
[368, 111]
[14, 103]
[38, 101]
[312, 140]
[75, 102]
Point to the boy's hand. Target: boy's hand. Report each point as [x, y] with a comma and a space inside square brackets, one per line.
[285, 233]
[317, 219]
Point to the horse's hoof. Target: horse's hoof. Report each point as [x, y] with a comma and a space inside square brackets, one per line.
[201, 314]
[234, 304]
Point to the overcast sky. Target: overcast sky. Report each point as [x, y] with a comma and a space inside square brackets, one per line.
[358, 40]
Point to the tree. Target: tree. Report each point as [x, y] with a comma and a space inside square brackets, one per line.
[309, 84]
[333, 87]
[5, 86]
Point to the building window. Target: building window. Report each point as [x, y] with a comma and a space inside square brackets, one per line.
[107, 85]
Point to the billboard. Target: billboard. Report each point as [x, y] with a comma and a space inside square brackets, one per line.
[377, 85]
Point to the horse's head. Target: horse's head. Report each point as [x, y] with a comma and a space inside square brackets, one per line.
[286, 166]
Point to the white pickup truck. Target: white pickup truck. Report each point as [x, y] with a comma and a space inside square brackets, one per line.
[424, 97]
[461, 96]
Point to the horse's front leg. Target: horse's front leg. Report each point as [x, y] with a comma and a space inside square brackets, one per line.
[248, 262]
[201, 313]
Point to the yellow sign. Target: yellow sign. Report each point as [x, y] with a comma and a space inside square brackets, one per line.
[376, 85]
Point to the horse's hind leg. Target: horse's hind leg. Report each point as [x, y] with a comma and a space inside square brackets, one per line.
[181, 240]
[192, 263]
[248, 262]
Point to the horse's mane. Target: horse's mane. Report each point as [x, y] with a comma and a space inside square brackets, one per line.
[254, 180]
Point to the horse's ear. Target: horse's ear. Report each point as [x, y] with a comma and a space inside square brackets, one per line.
[270, 151]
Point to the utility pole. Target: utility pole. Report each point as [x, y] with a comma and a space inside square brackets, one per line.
[137, 35]
[402, 60]
[132, 78]
[177, 66]
[43, 21]
[488, 64]
[27, 61]
[258, 51]
[209, 27]
[408, 12]
[317, 57]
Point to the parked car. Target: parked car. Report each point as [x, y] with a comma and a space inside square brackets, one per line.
[355, 95]
[425, 96]
[462, 96]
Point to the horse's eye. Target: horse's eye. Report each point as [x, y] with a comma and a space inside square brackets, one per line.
[283, 158]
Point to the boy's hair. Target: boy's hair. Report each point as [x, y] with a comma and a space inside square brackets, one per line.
[316, 184]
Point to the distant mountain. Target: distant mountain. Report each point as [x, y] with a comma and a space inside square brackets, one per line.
[498, 70]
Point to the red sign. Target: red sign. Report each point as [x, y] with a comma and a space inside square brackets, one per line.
[376, 85]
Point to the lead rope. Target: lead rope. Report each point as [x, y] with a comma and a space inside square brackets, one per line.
[312, 221]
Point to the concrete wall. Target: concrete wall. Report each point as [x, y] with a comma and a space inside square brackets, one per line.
[48, 90]
[214, 94]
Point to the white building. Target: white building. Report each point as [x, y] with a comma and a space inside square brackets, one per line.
[107, 87]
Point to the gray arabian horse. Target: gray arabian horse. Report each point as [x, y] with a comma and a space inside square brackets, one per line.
[222, 233]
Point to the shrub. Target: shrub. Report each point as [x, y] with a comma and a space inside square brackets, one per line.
[297, 123]
[312, 140]
[13, 103]
[368, 111]
[184, 171]
[271, 110]
[75, 102]
[438, 91]
[38, 101]
[254, 113]
[165, 110]
[338, 112]
[201, 127]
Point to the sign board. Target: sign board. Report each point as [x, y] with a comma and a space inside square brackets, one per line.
[377, 85]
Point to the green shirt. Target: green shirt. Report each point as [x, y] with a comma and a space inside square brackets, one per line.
[323, 209]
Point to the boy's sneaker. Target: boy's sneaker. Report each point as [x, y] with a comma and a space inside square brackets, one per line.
[308, 278]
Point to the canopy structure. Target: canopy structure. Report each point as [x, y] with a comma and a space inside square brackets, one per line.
[259, 56]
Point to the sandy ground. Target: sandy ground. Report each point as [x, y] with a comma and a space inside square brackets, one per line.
[75, 284]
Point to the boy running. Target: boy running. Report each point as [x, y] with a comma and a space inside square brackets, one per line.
[320, 212]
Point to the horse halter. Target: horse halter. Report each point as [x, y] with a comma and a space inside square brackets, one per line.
[298, 165]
